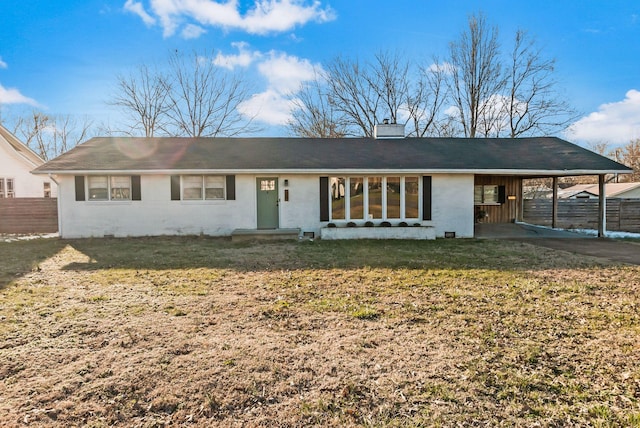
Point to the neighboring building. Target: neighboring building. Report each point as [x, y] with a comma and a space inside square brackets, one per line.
[591, 191]
[16, 163]
[215, 186]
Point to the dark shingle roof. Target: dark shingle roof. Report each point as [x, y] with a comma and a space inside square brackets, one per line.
[520, 156]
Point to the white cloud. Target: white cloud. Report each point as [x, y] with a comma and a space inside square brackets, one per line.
[444, 67]
[616, 123]
[192, 31]
[285, 73]
[13, 96]
[3, 64]
[244, 58]
[269, 107]
[266, 16]
[138, 9]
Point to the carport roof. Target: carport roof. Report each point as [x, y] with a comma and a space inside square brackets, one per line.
[520, 156]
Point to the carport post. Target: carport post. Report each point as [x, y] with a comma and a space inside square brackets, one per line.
[602, 207]
[554, 205]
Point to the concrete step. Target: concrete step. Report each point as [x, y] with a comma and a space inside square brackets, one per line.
[240, 235]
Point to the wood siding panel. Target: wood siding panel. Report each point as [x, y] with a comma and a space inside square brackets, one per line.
[28, 215]
[508, 211]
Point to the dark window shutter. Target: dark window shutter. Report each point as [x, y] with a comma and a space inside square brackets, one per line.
[175, 187]
[231, 187]
[136, 193]
[502, 194]
[324, 198]
[80, 193]
[426, 197]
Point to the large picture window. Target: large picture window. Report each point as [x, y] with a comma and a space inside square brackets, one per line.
[374, 198]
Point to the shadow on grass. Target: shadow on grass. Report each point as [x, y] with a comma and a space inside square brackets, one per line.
[164, 253]
[20, 257]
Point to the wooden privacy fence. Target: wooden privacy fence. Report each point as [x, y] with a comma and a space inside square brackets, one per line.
[622, 214]
[28, 215]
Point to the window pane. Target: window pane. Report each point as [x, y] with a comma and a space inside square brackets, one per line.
[98, 188]
[337, 198]
[10, 193]
[393, 197]
[267, 185]
[2, 195]
[214, 187]
[120, 187]
[375, 197]
[192, 187]
[411, 197]
[356, 198]
[490, 194]
[477, 195]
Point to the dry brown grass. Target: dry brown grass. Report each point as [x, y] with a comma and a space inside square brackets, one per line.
[202, 332]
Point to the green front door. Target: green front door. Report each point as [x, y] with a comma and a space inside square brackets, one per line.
[267, 189]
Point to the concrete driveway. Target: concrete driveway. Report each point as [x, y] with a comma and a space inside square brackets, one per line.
[609, 249]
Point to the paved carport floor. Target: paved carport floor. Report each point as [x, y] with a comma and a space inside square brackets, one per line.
[610, 249]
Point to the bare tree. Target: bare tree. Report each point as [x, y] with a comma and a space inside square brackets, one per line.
[476, 75]
[314, 116]
[424, 102]
[50, 136]
[351, 93]
[143, 96]
[532, 104]
[630, 156]
[205, 98]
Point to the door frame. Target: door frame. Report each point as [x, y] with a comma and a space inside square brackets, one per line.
[273, 223]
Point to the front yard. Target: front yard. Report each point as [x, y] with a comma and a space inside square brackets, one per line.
[201, 332]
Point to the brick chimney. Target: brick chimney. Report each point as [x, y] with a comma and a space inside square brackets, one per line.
[388, 130]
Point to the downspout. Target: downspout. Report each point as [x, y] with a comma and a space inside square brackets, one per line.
[59, 202]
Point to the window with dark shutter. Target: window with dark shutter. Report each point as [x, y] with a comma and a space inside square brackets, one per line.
[426, 197]
[80, 193]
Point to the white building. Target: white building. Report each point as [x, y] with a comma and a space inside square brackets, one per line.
[16, 163]
[220, 186]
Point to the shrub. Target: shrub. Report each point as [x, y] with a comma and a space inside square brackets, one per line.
[331, 225]
[368, 224]
[403, 224]
[351, 224]
[385, 224]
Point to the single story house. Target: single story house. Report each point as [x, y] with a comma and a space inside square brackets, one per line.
[592, 191]
[16, 162]
[219, 186]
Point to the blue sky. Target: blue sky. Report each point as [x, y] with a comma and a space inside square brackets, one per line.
[63, 56]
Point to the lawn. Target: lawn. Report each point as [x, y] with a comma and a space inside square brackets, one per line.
[205, 332]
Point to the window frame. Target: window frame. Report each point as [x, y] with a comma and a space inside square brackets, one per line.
[109, 189]
[203, 187]
[366, 181]
[496, 194]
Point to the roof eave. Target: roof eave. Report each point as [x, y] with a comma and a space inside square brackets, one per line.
[355, 171]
